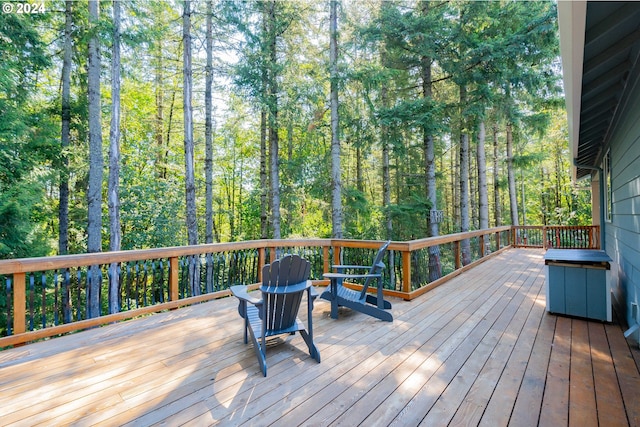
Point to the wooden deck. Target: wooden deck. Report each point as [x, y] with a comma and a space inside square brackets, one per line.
[479, 350]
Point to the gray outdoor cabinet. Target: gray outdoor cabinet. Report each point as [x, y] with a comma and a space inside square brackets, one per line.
[578, 283]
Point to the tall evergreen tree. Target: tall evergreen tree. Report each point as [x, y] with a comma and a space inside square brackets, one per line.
[113, 191]
[209, 126]
[336, 184]
[65, 138]
[94, 194]
[273, 33]
[190, 184]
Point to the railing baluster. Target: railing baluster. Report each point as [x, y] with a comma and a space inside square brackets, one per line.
[161, 283]
[56, 294]
[10, 315]
[32, 291]
[137, 293]
[153, 282]
[66, 297]
[145, 281]
[44, 300]
[79, 296]
[126, 286]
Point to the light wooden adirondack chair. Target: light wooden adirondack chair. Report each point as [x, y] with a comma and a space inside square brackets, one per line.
[361, 301]
[284, 281]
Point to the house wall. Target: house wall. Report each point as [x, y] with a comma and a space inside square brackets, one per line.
[622, 234]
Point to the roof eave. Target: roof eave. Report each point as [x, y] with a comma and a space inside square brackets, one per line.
[571, 22]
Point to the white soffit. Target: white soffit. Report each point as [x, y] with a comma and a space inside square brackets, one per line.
[571, 22]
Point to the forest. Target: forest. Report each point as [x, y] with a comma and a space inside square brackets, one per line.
[141, 124]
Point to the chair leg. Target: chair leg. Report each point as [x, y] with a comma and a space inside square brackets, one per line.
[331, 295]
[308, 336]
[246, 330]
[262, 357]
[313, 350]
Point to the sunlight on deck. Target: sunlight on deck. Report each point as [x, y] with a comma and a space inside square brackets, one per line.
[479, 349]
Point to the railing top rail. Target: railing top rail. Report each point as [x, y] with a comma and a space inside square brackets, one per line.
[439, 240]
[539, 227]
[27, 265]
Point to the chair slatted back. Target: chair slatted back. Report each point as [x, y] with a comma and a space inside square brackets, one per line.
[376, 267]
[281, 296]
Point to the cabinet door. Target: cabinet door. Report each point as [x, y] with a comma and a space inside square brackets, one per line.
[575, 292]
[555, 289]
[596, 293]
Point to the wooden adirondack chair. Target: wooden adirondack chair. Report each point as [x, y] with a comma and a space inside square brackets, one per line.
[361, 301]
[284, 281]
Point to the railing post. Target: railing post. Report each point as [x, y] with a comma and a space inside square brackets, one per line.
[173, 279]
[456, 254]
[262, 254]
[406, 271]
[19, 303]
[336, 254]
[325, 259]
[545, 245]
[481, 242]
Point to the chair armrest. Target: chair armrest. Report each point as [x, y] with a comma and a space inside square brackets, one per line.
[349, 276]
[290, 288]
[313, 292]
[240, 292]
[341, 266]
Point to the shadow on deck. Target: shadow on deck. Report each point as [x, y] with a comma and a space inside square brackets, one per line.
[478, 350]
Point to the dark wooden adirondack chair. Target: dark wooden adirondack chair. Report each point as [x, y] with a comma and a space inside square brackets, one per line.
[361, 301]
[284, 281]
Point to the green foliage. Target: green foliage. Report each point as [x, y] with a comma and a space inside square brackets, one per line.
[503, 52]
[26, 146]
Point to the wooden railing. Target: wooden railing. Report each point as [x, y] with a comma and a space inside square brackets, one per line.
[557, 236]
[45, 297]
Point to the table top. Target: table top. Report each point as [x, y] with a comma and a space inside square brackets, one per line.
[577, 255]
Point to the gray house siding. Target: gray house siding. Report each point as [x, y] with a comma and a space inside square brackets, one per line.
[623, 232]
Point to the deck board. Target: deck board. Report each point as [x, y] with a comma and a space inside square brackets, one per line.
[478, 350]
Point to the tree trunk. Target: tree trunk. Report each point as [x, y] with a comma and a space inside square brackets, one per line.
[114, 163]
[94, 194]
[435, 268]
[386, 186]
[483, 197]
[190, 186]
[274, 168]
[473, 190]
[386, 177]
[384, 139]
[264, 181]
[208, 137]
[336, 184]
[465, 246]
[455, 182]
[511, 176]
[274, 156]
[496, 179]
[265, 201]
[208, 127]
[65, 139]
